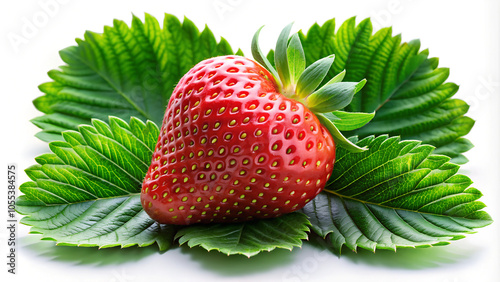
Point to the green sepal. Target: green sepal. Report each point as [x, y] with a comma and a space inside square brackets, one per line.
[313, 76]
[259, 56]
[347, 121]
[337, 136]
[296, 59]
[338, 78]
[281, 60]
[333, 96]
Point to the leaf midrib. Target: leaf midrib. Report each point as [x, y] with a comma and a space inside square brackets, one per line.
[389, 207]
[403, 82]
[100, 235]
[101, 219]
[389, 147]
[89, 200]
[369, 210]
[132, 103]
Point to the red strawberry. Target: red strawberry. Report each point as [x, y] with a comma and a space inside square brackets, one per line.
[233, 148]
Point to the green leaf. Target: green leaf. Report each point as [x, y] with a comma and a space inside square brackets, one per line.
[346, 121]
[104, 223]
[333, 96]
[248, 238]
[296, 58]
[452, 149]
[125, 71]
[406, 88]
[312, 76]
[396, 194]
[86, 192]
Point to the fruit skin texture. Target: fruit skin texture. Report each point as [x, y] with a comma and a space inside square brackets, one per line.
[233, 149]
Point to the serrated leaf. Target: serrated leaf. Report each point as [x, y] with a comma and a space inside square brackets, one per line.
[125, 71]
[86, 192]
[104, 223]
[248, 238]
[406, 88]
[395, 194]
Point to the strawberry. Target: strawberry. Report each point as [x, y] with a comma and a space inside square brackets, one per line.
[233, 147]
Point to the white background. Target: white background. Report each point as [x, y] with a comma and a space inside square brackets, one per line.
[463, 34]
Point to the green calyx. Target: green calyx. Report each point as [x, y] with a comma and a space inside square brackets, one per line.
[302, 83]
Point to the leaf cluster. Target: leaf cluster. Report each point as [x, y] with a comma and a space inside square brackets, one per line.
[403, 190]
